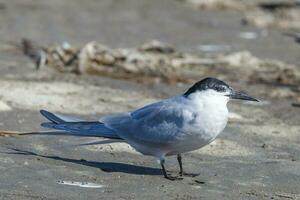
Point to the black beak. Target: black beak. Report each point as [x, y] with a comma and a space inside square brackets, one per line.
[241, 96]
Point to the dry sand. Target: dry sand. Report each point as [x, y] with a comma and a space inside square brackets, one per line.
[256, 157]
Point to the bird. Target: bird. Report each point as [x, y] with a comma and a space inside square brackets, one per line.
[169, 127]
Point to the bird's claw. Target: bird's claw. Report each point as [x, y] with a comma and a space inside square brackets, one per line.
[173, 178]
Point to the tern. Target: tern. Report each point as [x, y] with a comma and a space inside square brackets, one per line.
[169, 127]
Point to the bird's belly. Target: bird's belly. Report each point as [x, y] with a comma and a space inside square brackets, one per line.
[195, 137]
[183, 143]
[190, 142]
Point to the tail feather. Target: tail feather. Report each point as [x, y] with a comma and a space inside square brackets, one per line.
[78, 128]
[56, 118]
[51, 117]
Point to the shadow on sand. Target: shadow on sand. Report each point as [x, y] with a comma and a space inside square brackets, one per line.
[104, 166]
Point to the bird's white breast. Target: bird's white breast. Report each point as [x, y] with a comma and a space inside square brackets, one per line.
[205, 117]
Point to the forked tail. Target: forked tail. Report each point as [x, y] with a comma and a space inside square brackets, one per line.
[77, 127]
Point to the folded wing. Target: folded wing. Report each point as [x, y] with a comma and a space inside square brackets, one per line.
[158, 123]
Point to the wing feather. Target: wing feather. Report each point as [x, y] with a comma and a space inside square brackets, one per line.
[156, 123]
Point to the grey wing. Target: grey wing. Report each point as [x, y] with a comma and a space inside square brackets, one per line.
[156, 123]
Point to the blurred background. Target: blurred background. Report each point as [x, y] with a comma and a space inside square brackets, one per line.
[91, 58]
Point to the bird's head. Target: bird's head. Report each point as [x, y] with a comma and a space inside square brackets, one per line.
[215, 89]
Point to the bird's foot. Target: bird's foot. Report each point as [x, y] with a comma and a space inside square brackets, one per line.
[173, 178]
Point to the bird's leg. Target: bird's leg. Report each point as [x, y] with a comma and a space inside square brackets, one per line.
[162, 162]
[181, 172]
[179, 158]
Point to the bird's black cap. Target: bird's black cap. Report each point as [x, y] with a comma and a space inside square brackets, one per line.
[208, 83]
